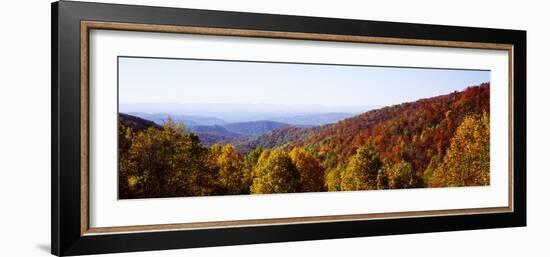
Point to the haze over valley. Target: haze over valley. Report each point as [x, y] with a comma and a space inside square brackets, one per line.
[239, 123]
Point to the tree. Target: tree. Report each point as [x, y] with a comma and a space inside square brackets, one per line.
[466, 162]
[275, 173]
[330, 160]
[311, 173]
[153, 156]
[229, 164]
[362, 170]
[333, 179]
[249, 163]
[434, 164]
[127, 179]
[401, 175]
[170, 162]
[197, 175]
[382, 180]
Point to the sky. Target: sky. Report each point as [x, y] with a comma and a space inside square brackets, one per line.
[182, 81]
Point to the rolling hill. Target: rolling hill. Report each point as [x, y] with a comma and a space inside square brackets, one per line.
[414, 131]
[213, 130]
[236, 133]
[135, 123]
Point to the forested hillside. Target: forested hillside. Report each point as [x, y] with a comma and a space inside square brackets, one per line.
[135, 123]
[437, 142]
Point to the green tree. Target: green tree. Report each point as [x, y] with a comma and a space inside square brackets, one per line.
[434, 164]
[311, 173]
[275, 173]
[330, 160]
[362, 170]
[401, 175]
[333, 179]
[249, 163]
[466, 162]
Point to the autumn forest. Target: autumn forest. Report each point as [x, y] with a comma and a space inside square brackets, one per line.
[442, 141]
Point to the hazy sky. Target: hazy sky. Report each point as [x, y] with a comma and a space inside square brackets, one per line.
[147, 80]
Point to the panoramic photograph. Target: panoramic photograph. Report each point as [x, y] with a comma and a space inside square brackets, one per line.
[189, 127]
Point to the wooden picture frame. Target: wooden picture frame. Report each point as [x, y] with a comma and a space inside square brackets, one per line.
[71, 25]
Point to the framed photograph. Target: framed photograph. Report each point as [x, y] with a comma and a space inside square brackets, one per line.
[177, 128]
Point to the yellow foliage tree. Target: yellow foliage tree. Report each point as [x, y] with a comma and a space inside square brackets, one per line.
[311, 173]
[333, 179]
[275, 173]
[230, 164]
[362, 170]
[466, 162]
[170, 162]
[126, 176]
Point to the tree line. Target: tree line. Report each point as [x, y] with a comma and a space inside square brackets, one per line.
[170, 161]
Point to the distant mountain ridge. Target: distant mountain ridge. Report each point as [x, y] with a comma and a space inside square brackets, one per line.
[314, 119]
[213, 130]
[254, 128]
[235, 133]
[209, 134]
[188, 120]
[243, 112]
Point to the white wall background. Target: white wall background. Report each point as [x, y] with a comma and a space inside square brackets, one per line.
[25, 127]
